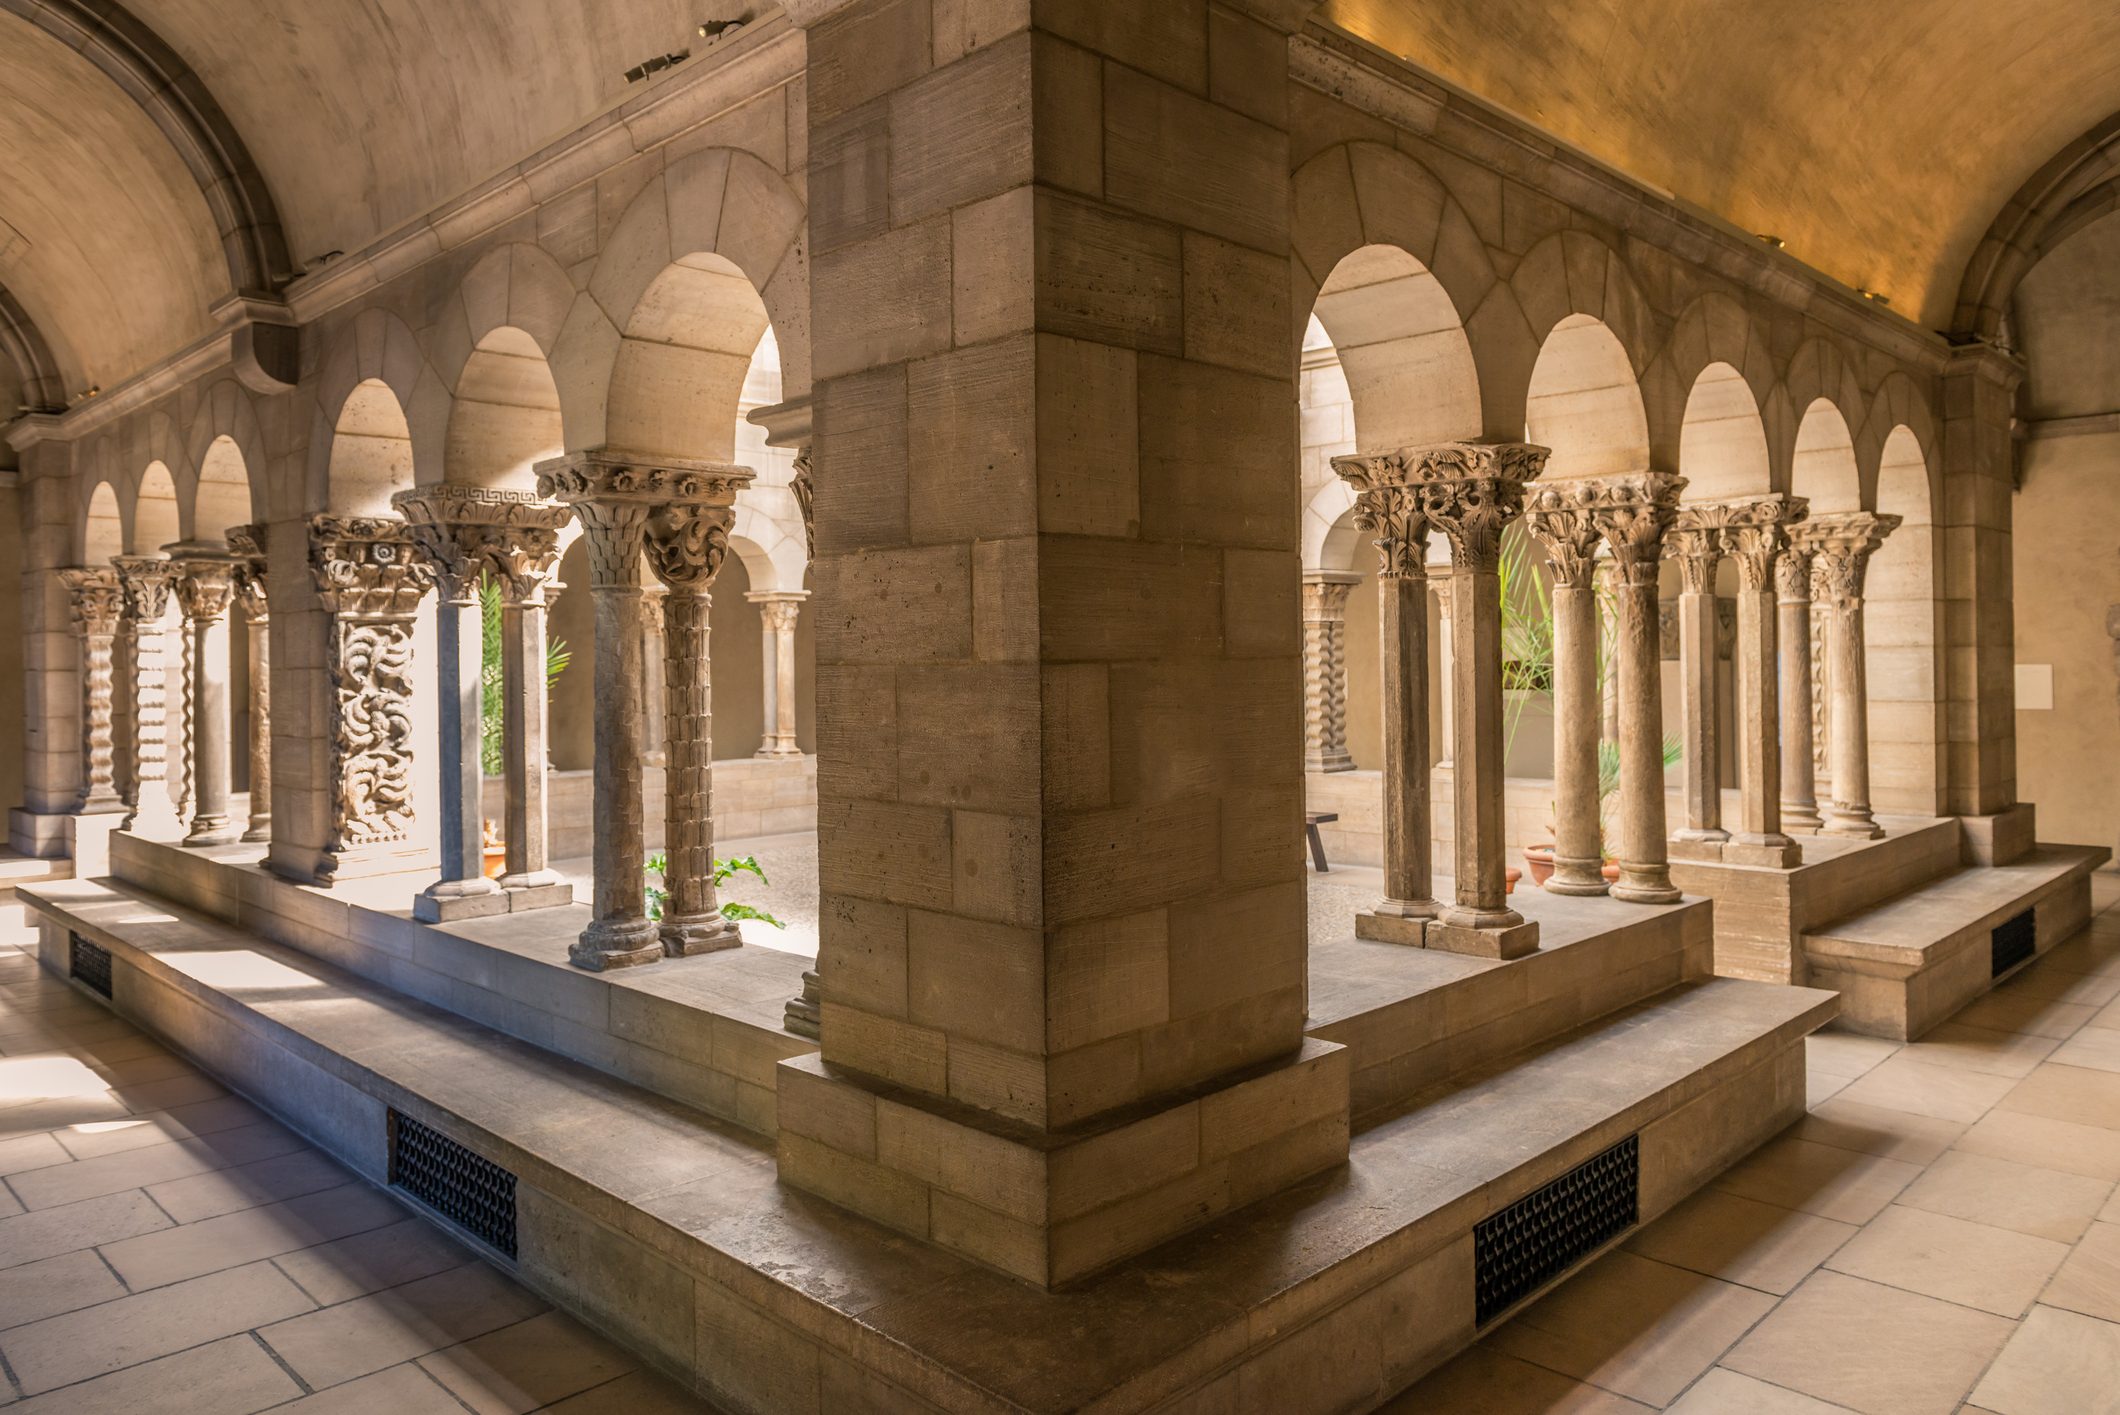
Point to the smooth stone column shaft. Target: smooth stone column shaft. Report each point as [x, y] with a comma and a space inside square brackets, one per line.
[1849, 813]
[1697, 633]
[260, 823]
[1644, 862]
[459, 629]
[1477, 776]
[1799, 772]
[1578, 857]
[210, 755]
[1446, 663]
[777, 614]
[621, 932]
[692, 921]
[1402, 612]
[1758, 730]
[523, 743]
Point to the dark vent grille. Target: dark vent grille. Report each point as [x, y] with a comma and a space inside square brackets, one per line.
[469, 1190]
[89, 964]
[2013, 941]
[1534, 1240]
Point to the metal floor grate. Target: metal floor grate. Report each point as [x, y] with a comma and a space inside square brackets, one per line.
[464, 1187]
[2012, 941]
[88, 964]
[1521, 1248]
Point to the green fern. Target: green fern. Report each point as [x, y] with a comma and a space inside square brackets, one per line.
[658, 867]
[492, 677]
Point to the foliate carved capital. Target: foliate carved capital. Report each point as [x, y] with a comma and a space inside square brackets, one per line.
[688, 542]
[366, 567]
[96, 599]
[467, 531]
[1393, 515]
[1792, 572]
[1842, 543]
[1751, 530]
[1469, 490]
[779, 609]
[247, 544]
[146, 581]
[616, 493]
[206, 587]
[1325, 595]
[1634, 512]
[1562, 517]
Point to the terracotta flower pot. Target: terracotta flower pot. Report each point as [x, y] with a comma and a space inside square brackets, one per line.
[1610, 869]
[1540, 860]
[1510, 875]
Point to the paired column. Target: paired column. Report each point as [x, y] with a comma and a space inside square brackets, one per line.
[777, 611]
[1325, 669]
[205, 592]
[1799, 769]
[1756, 540]
[1470, 491]
[1446, 660]
[1563, 518]
[1391, 511]
[371, 580]
[521, 563]
[1634, 512]
[147, 581]
[615, 497]
[688, 538]
[96, 603]
[1695, 542]
[1844, 542]
[248, 544]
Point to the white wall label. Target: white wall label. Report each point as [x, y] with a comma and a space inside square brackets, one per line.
[2035, 687]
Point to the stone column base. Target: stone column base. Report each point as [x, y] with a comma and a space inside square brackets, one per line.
[2000, 838]
[41, 835]
[1392, 928]
[1708, 848]
[1776, 855]
[1053, 1208]
[1511, 941]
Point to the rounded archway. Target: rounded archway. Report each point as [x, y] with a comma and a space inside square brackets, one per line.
[1722, 441]
[371, 452]
[156, 519]
[686, 353]
[223, 500]
[506, 417]
[1585, 403]
[1903, 658]
[1822, 468]
[101, 533]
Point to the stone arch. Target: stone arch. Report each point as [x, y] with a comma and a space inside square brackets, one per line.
[225, 413]
[1584, 401]
[375, 387]
[1899, 407]
[1722, 440]
[491, 348]
[1564, 279]
[1714, 329]
[43, 385]
[1904, 642]
[102, 525]
[1822, 461]
[158, 516]
[1821, 369]
[1402, 346]
[711, 221]
[223, 499]
[2075, 182]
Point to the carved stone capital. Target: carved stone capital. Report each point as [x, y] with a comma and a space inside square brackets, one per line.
[1843, 542]
[206, 580]
[247, 544]
[779, 609]
[687, 543]
[146, 581]
[1562, 516]
[615, 494]
[1792, 571]
[366, 567]
[1751, 530]
[467, 531]
[1634, 511]
[1393, 515]
[1468, 490]
[97, 601]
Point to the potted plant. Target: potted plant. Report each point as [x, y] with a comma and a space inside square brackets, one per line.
[493, 703]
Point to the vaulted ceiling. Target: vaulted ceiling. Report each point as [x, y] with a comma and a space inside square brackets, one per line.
[1879, 141]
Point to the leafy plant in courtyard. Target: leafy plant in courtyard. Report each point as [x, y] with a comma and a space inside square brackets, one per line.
[724, 870]
[493, 698]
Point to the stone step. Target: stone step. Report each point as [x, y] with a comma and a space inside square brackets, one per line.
[17, 869]
[1905, 965]
[671, 1231]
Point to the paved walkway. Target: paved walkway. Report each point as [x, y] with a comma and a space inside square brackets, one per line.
[1942, 1227]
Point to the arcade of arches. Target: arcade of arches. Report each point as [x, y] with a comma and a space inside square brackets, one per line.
[1044, 705]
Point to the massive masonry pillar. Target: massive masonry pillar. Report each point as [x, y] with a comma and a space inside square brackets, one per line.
[1979, 479]
[1059, 667]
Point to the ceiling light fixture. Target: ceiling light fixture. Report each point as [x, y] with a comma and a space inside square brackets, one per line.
[1775, 241]
[1873, 297]
[711, 30]
[656, 65]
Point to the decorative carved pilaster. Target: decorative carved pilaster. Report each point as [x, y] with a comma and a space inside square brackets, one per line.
[1325, 670]
[205, 592]
[247, 543]
[1634, 512]
[96, 602]
[616, 495]
[371, 579]
[149, 583]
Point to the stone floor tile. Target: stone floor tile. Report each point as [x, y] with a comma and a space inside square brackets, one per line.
[9, 1204]
[2093, 1048]
[2021, 1012]
[2070, 1093]
[42, 1116]
[2051, 1144]
[1818, 1179]
[247, 1186]
[1845, 1053]
[399, 1390]
[1971, 1048]
[370, 1262]
[232, 1376]
[178, 1090]
[34, 1291]
[527, 1366]
[48, 1232]
[61, 1350]
[2060, 985]
[31, 1152]
[1482, 1381]
[1725, 1392]
[1822, 1086]
[177, 1159]
[2046, 1203]
[1741, 1240]
[2089, 1280]
[2058, 1363]
[134, 1132]
[1973, 1264]
[1948, 1093]
[398, 1324]
[1874, 1130]
[132, 1070]
[644, 1393]
[1642, 1329]
[1870, 1347]
[248, 1235]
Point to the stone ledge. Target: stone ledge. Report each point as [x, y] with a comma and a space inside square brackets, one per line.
[1052, 1208]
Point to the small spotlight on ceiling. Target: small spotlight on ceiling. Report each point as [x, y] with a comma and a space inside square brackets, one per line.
[1874, 298]
[327, 257]
[656, 65]
[721, 29]
[1775, 241]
